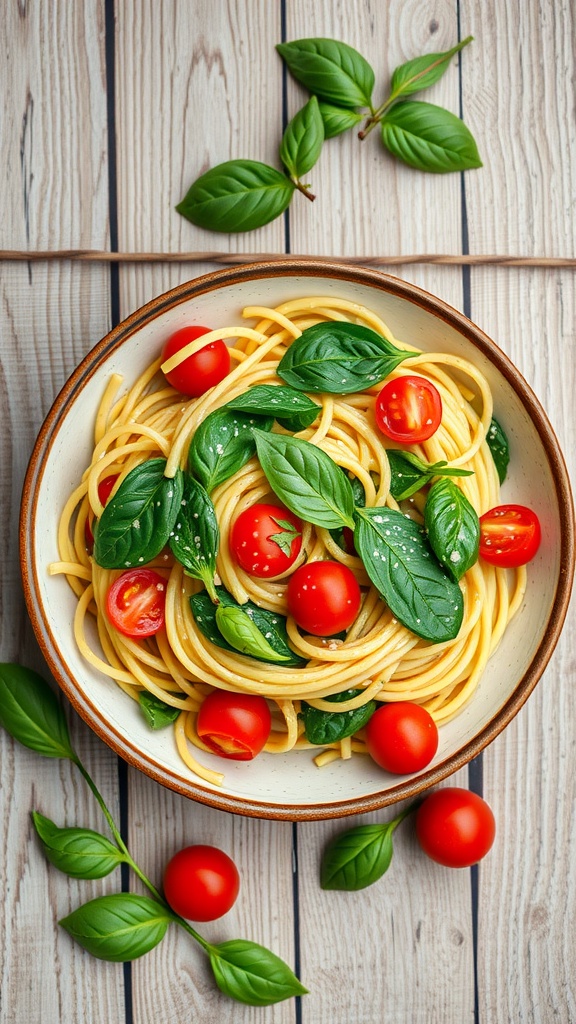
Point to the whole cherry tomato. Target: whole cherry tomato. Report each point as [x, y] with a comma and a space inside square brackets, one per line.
[408, 409]
[266, 539]
[105, 487]
[455, 827]
[323, 597]
[135, 602]
[201, 883]
[509, 535]
[200, 371]
[234, 725]
[402, 737]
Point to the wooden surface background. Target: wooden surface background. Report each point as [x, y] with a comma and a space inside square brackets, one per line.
[109, 109]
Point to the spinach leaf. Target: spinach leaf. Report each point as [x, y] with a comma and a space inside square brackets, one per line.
[429, 138]
[238, 627]
[293, 410]
[302, 140]
[238, 195]
[334, 71]
[196, 537]
[322, 727]
[157, 713]
[136, 523]
[222, 444]
[498, 445]
[453, 529]
[411, 474]
[339, 358]
[271, 624]
[403, 567]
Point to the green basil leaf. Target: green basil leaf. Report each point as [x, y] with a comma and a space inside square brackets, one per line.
[252, 974]
[403, 567]
[31, 712]
[306, 480]
[359, 497]
[136, 523]
[453, 529]
[238, 195]
[271, 624]
[293, 410]
[337, 119]
[286, 536]
[429, 138]
[323, 727]
[222, 444]
[357, 858]
[409, 473]
[118, 927]
[242, 633]
[157, 713]
[78, 852]
[498, 445]
[334, 71]
[196, 537]
[339, 358]
[302, 141]
[422, 72]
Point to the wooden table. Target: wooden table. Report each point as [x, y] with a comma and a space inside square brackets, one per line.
[109, 111]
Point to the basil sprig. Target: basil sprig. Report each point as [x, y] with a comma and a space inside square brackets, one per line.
[453, 528]
[498, 444]
[222, 444]
[271, 624]
[195, 537]
[122, 926]
[339, 358]
[410, 473]
[137, 521]
[323, 727]
[360, 856]
[242, 633]
[292, 409]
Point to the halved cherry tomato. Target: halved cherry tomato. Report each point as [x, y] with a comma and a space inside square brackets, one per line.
[323, 597]
[198, 372]
[104, 491]
[455, 827]
[234, 725]
[266, 539]
[408, 409]
[135, 602]
[509, 535]
[402, 737]
[201, 883]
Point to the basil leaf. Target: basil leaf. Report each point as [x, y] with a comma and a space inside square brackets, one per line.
[252, 974]
[429, 138]
[359, 497]
[339, 358]
[306, 480]
[242, 633]
[78, 852]
[409, 473]
[238, 195]
[401, 564]
[287, 535]
[422, 72]
[118, 927]
[498, 445]
[271, 624]
[357, 858]
[196, 537]
[337, 120]
[453, 529]
[136, 523]
[302, 141]
[293, 410]
[31, 712]
[222, 444]
[334, 71]
[322, 727]
[157, 713]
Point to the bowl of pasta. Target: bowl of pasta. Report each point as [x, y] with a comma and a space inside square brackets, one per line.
[297, 539]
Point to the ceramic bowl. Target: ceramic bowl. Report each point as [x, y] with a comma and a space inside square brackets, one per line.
[290, 786]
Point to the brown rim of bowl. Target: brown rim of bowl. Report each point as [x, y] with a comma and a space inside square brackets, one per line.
[254, 272]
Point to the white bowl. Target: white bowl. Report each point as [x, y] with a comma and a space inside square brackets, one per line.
[290, 786]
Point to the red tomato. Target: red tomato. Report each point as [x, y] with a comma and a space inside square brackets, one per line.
[402, 737]
[234, 725]
[323, 597]
[104, 491]
[135, 602]
[509, 535]
[201, 883]
[266, 539]
[198, 372]
[455, 827]
[408, 409]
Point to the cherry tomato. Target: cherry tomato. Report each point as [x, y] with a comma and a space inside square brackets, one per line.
[104, 491]
[402, 737]
[198, 372]
[201, 883]
[323, 597]
[266, 539]
[135, 602]
[408, 409]
[234, 725]
[509, 535]
[455, 827]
